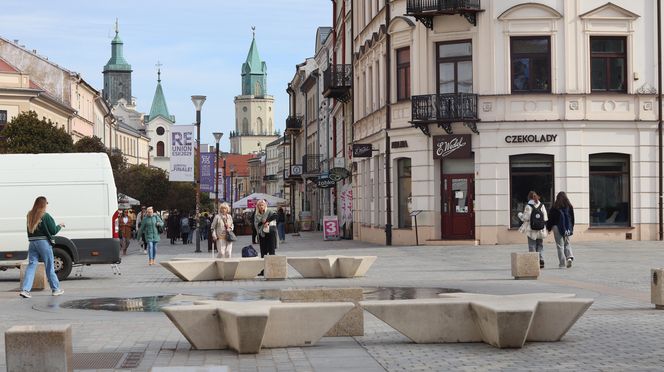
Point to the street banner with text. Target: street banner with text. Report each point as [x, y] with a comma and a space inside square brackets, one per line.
[207, 171]
[183, 146]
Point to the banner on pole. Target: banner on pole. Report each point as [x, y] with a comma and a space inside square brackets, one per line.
[207, 171]
[183, 146]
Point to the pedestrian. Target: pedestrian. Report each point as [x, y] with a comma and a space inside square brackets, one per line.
[184, 228]
[212, 244]
[561, 222]
[140, 236]
[150, 229]
[173, 223]
[221, 226]
[281, 224]
[192, 228]
[126, 226]
[266, 226]
[534, 219]
[41, 228]
[254, 232]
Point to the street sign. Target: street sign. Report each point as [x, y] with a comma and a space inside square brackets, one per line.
[325, 182]
[362, 150]
[330, 228]
[296, 170]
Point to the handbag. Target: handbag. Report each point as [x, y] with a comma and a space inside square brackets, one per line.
[230, 235]
[49, 237]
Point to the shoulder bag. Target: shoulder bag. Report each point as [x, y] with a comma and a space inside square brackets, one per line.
[230, 235]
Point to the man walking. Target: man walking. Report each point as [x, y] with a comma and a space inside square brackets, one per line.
[141, 236]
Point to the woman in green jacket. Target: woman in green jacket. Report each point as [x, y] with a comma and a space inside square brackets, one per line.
[149, 227]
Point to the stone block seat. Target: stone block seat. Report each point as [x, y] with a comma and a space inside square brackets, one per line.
[332, 266]
[525, 265]
[501, 321]
[39, 348]
[40, 282]
[200, 269]
[246, 327]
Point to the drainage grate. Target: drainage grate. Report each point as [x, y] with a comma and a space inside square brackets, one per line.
[106, 360]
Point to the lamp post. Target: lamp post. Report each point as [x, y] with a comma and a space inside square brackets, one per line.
[231, 185]
[224, 178]
[217, 138]
[198, 104]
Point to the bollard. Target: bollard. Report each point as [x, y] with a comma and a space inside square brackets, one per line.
[657, 288]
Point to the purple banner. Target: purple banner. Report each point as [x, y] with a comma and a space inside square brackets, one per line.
[207, 172]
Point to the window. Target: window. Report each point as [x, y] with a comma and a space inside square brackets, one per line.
[3, 119]
[403, 73]
[529, 172]
[245, 126]
[608, 64]
[404, 192]
[609, 190]
[160, 148]
[455, 67]
[160, 131]
[531, 64]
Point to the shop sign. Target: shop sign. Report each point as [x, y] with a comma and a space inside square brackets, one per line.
[296, 170]
[531, 138]
[330, 228]
[452, 147]
[325, 182]
[362, 150]
[338, 174]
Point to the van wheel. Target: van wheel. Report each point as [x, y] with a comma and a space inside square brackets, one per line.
[63, 263]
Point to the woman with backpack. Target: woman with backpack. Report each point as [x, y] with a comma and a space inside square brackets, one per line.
[562, 224]
[152, 225]
[534, 219]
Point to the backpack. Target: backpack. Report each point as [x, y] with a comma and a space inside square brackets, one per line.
[566, 222]
[537, 218]
[249, 251]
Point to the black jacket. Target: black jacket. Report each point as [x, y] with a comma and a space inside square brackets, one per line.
[555, 220]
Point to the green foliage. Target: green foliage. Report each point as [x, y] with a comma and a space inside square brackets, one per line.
[27, 134]
[149, 185]
[118, 161]
[89, 144]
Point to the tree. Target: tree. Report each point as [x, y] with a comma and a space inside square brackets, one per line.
[149, 185]
[89, 144]
[26, 134]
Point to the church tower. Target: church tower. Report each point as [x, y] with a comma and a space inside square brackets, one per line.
[117, 73]
[254, 116]
[158, 125]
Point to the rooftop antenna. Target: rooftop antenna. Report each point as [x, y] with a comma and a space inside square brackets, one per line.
[158, 66]
[253, 31]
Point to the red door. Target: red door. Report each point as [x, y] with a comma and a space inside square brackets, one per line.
[458, 192]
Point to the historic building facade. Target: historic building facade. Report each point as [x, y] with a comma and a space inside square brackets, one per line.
[158, 126]
[463, 110]
[254, 116]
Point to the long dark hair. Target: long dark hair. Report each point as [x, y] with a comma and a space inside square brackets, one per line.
[533, 196]
[562, 201]
[36, 213]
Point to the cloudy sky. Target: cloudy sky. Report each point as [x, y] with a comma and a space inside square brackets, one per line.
[201, 45]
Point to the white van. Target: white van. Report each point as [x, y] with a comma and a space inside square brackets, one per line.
[81, 193]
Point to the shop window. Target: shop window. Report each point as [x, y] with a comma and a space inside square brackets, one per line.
[608, 64]
[531, 64]
[609, 190]
[529, 172]
[404, 192]
[403, 73]
[160, 148]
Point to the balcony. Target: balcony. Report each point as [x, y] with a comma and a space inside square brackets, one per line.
[293, 123]
[270, 177]
[444, 109]
[311, 164]
[337, 82]
[425, 10]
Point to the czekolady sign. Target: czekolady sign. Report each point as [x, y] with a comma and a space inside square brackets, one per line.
[452, 147]
[531, 138]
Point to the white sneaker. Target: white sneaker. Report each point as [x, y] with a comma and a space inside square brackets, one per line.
[58, 292]
[25, 294]
[569, 262]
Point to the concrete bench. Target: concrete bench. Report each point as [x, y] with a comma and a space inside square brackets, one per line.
[332, 266]
[352, 324]
[201, 269]
[246, 327]
[276, 267]
[40, 282]
[501, 321]
[525, 265]
[35, 348]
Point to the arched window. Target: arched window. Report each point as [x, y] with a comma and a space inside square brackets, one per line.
[261, 130]
[258, 90]
[245, 126]
[160, 148]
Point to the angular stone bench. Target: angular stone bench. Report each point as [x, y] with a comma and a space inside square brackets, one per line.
[30, 348]
[201, 269]
[501, 321]
[41, 281]
[247, 326]
[525, 265]
[276, 267]
[332, 266]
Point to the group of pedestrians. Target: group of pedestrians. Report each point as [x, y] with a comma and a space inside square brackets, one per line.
[537, 223]
[180, 226]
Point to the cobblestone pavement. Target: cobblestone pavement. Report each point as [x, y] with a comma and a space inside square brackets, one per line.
[621, 331]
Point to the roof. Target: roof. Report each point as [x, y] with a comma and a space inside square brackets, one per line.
[7, 67]
[253, 63]
[238, 162]
[117, 60]
[159, 107]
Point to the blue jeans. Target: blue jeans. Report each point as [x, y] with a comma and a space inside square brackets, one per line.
[40, 249]
[152, 250]
[281, 229]
[535, 245]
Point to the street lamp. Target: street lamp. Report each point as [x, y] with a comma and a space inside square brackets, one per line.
[198, 104]
[217, 138]
[231, 185]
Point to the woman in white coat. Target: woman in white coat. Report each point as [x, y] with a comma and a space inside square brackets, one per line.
[221, 225]
[534, 219]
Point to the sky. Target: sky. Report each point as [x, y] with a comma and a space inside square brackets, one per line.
[201, 45]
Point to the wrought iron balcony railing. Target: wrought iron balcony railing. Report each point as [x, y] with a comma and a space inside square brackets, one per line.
[425, 10]
[311, 164]
[443, 109]
[337, 82]
[294, 123]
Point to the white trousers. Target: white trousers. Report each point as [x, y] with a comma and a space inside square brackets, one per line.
[224, 248]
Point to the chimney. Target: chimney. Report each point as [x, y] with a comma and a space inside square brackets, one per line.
[16, 41]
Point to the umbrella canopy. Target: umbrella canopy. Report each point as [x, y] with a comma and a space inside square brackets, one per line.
[125, 201]
[272, 201]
